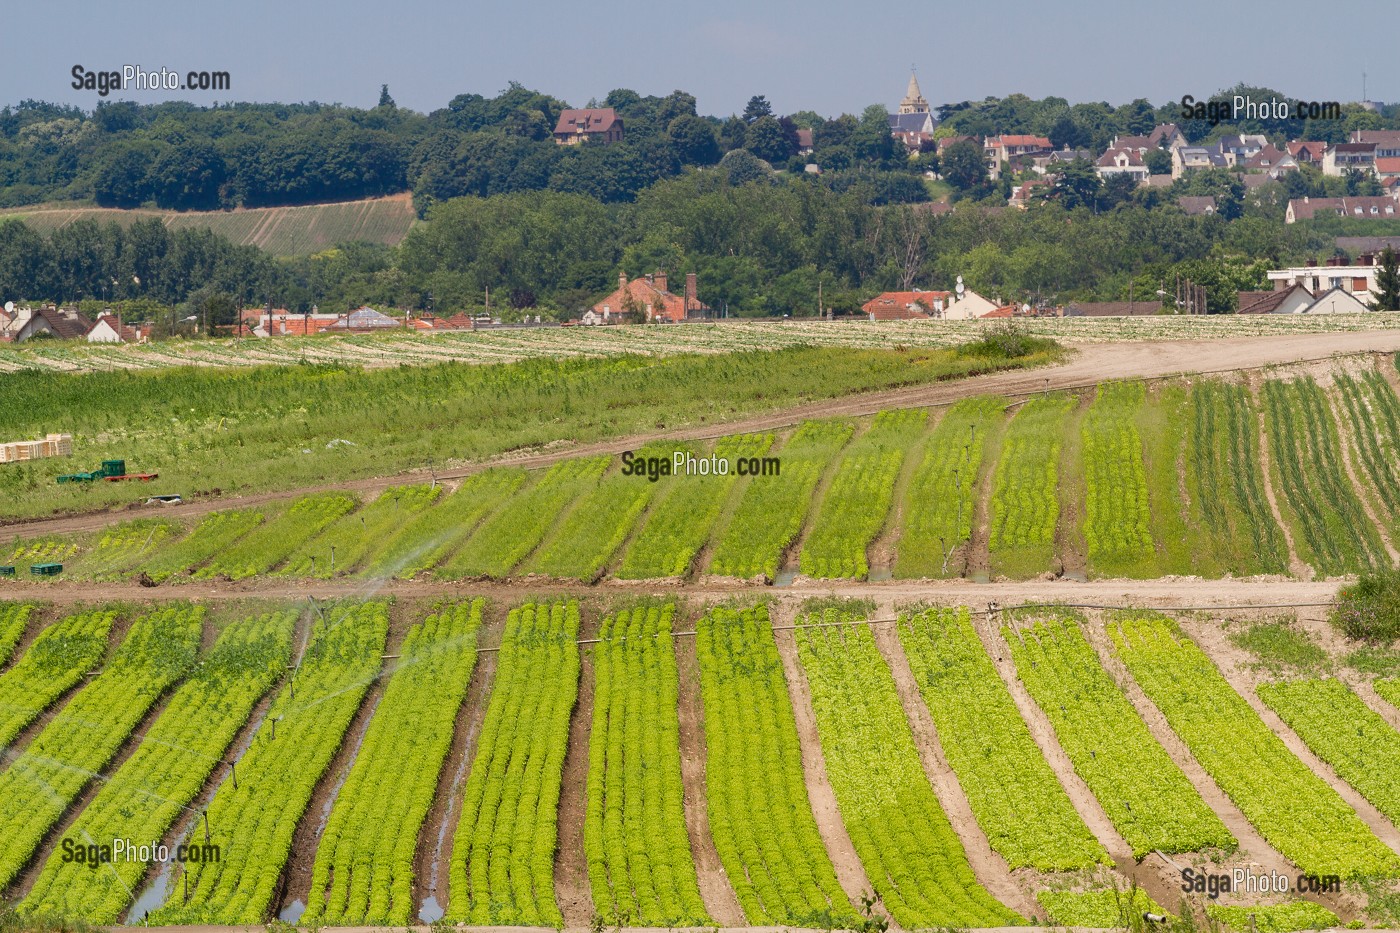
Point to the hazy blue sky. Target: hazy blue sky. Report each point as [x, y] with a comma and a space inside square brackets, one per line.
[825, 56]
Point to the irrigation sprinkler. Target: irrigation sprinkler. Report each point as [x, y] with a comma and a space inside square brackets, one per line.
[205, 814]
[233, 770]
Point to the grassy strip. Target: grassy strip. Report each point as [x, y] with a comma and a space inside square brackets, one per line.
[1335, 535]
[1117, 521]
[1294, 809]
[1025, 504]
[363, 874]
[175, 758]
[509, 535]
[857, 504]
[502, 869]
[425, 540]
[938, 506]
[1148, 798]
[760, 817]
[1223, 442]
[634, 833]
[1027, 816]
[1343, 731]
[83, 737]
[1096, 910]
[770, 515]
[253, 823]
[269, 544]
[910, 852]
[684, 518]
[215, 534]
[346, 544]
[1273, 918]
[57, 660]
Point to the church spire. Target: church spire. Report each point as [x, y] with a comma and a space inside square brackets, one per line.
[914, 101]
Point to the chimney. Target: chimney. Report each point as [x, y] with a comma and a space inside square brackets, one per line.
[660, 279]
[622, 280]
[690, 299]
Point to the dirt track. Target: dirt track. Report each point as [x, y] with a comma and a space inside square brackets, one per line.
[1089, 365]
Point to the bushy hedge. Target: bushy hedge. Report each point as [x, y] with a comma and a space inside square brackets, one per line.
[1369, 610]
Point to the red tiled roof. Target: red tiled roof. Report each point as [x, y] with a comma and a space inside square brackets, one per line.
[586, 120]
[892, 306]
[1390, 165]
[1019, 139]
[1003, 311]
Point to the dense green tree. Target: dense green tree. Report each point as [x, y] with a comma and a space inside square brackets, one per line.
[1388, 282]
[765, 139]
[1077, 185]
[964, 166]
[1158, 161]
[757, 108]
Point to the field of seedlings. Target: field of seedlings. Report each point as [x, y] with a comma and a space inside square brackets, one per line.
[357, 762]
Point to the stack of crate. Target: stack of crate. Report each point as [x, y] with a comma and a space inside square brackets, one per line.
[54, 445]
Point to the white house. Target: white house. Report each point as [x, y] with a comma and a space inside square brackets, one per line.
[1337, 301]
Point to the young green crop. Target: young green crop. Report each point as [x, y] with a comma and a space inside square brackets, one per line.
[269, 544]
[1149, 799]
[940, 501]
[363, 874]
[1334, 534]
[253, 823]
[214, 535]
[1294, 809]
[1117, 524]
[121, 547]
[1025, 502]
[857, 504]
[594, 529]
[422, 543]
[46, 549]
[911, 855]
[1096, 910]
[1343, 731]
[1225, 480]
[1273, 918]
[760, 817]
[14, 618]
[1374, 415]
[1027, 816]
[57, 660]
[770, 514]
[47, 777]
[347, 543]
[174, 760]
[509, 535]
[683, 519]
[502, 868]
[634, 833]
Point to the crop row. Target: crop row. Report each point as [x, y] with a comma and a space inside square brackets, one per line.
[363, 874]
[1343, 731]
[911, 855]
[1225, 481]
[83, 737]
[1294, 809]
[770, 514]
[634, 835]
[1025, 506]
[1104, 909]
[215, 534]
[593, 531]
[1335, 535]
[1117, 523]
[349, 541]
[857, 504]
[760, 817]
[502, 867]
[509, 534]
[683, 519]
[1027, 816]
[941, 499]
[1149, 799]
[14, 618]
[59, 658]
[253, 820]
[425, 540]
[1374, 413]
[268, 544]
[121, 547]
[175, 758]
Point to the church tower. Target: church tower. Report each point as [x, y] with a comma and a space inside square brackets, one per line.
[913, 98]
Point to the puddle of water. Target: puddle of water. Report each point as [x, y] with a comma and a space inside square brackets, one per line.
[981, 578]
[785, 578]
[880, 573]
[292, 912]
[1078, 576]
[155, 895]
[431, 911]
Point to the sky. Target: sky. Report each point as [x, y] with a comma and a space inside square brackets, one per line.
[820, 55]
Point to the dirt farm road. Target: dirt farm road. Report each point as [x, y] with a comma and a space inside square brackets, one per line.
[1090, 364]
